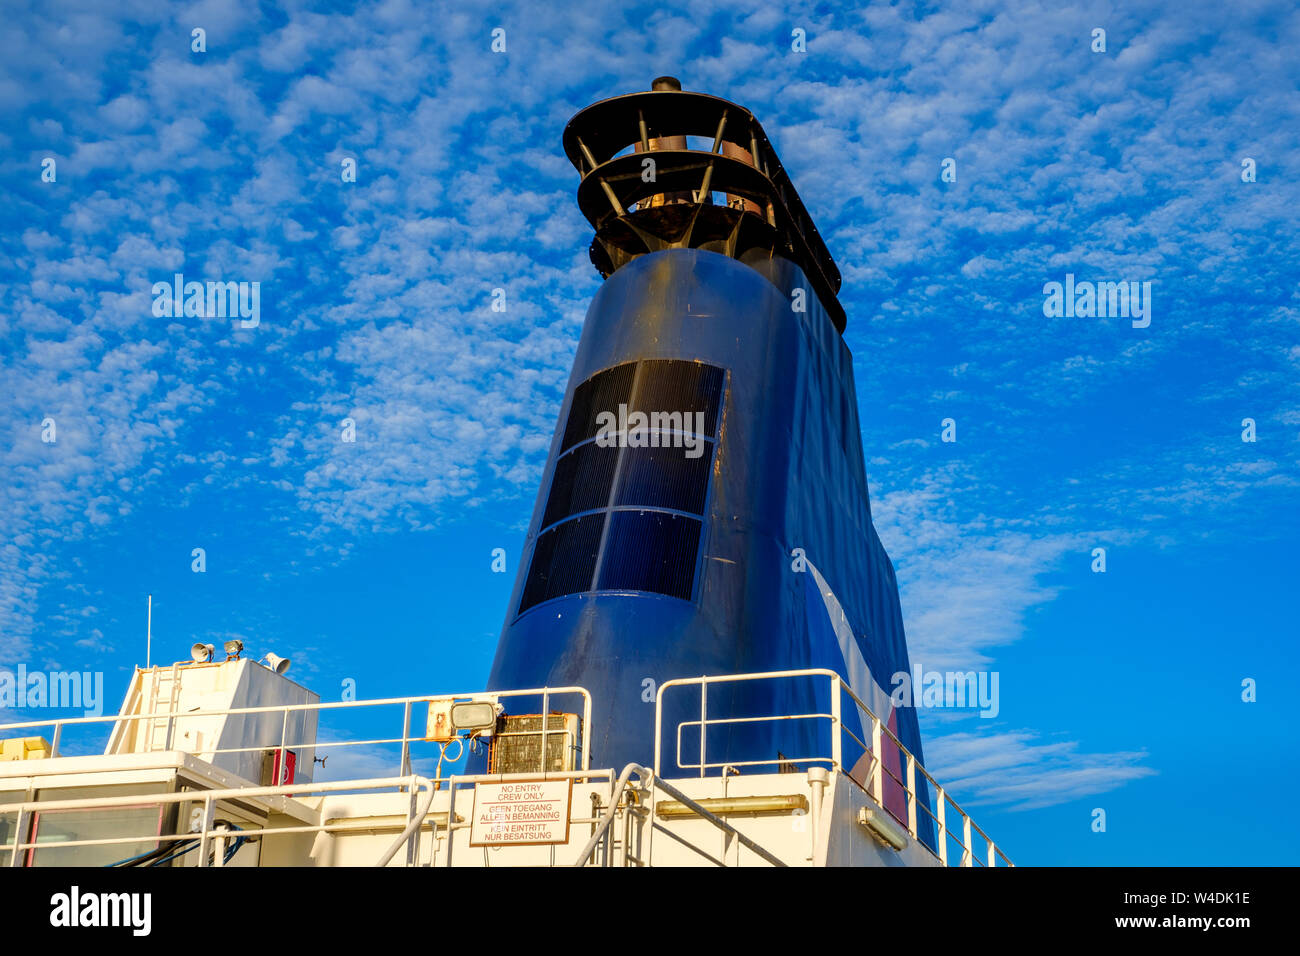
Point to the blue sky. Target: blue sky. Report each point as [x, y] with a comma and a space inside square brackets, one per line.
[371, 560]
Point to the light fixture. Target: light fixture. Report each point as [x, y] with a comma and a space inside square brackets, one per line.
[475, 715]
[277, 663]
[449, 718]
[233, 648]
[793, 803]
[202, 653]
[883, 827]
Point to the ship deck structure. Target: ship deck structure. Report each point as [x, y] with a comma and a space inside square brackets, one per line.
[189, 779]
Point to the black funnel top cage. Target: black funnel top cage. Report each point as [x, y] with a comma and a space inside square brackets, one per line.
[643, 189]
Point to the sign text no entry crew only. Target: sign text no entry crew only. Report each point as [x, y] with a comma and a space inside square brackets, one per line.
[521, 812]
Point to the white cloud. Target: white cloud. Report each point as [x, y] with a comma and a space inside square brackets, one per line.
[1020, 771]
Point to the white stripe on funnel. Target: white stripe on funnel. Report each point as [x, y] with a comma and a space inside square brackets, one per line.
[870, 693]
[855, 665]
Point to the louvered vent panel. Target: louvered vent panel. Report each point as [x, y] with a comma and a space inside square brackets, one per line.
[582, 482]
[665, 478]
[645, 548]
[604, 391]
[651, 551]
[681, 387]
[564, 560]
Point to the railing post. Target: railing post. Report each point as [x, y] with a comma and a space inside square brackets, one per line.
[546, 724]
[942, 814]
[648, 846]
[284, 737]
[967, 857]
[405, 768]
[58, 735]
[20, 836]
[993, 855]
[911, 795]
[586, 731]
[451, 824]
[659, 726]
[877, 763]
[208, 812]
[413, 844]
[837, 742]
[219, 849]
[817, 778]
[704, 717]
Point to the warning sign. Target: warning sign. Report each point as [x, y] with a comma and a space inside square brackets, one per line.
[521, 813]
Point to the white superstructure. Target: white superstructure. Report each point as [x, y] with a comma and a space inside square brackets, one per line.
[234, 764]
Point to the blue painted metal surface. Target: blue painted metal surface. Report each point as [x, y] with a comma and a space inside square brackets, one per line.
[788, 474]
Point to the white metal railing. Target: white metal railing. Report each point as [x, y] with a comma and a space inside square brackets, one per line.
[648, 783]
[963, 833]
[209, 834]
[874, 782]
[208, 828]
[120, 721]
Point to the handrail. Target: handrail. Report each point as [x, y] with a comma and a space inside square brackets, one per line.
[609, 815]
[717, 821]
[417, 820]
[208, 798]
[209, 827]
[545, 693]
[650, 780]
[963, 829]
[874, 784]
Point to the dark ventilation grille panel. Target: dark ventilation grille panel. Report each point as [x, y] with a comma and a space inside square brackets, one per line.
[604, 391]
[651, 551]
[564, 560]
[582, 482]
[681, 387]
[631, 535]
[665, 478]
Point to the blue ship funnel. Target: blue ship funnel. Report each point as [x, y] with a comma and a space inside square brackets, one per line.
[704, 509]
